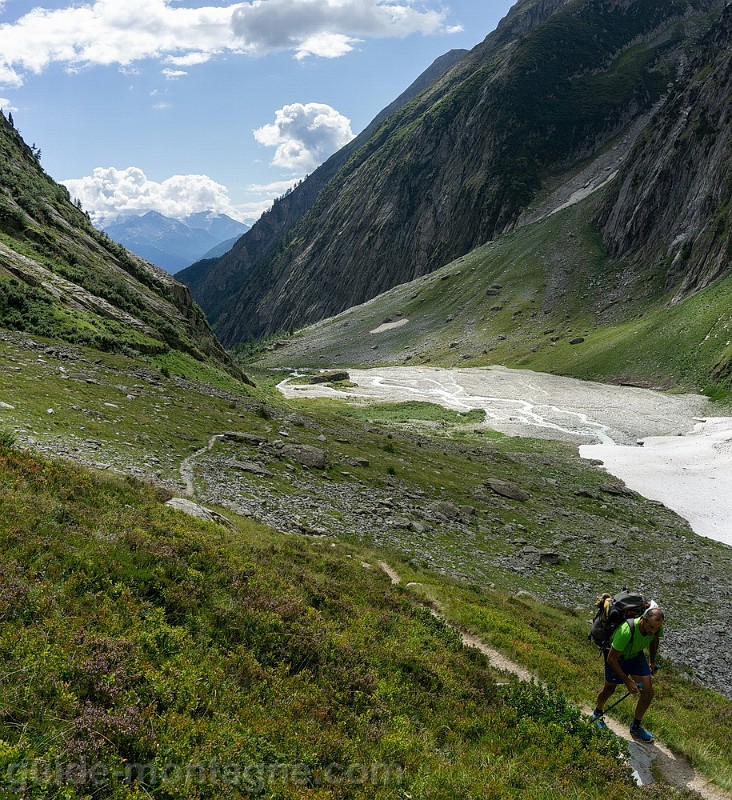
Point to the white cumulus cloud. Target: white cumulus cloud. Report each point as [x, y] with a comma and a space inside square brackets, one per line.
[109, 193]
[124, 31]
[305, 135]
[189, 60]
[274, 188]
[316, 26]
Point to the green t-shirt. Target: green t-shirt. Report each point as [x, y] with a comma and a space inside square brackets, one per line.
[631, 643]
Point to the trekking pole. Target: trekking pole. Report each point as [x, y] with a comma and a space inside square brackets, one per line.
[617, 702]
[627, 694]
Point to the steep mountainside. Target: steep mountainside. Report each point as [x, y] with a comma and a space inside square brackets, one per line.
[175, 244]
[61, 278]
[673, 203]
[456, 165]
[214, 283]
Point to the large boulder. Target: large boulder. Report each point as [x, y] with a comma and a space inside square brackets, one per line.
[306, 455]
[507, 489]
[330, 377]
[198, 512]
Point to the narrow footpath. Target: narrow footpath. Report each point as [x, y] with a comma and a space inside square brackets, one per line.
[186, 467]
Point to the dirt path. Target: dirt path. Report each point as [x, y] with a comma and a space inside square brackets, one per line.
[644, 758]
[186, 466]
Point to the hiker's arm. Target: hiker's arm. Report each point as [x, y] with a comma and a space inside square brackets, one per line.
[653, 651]
[612, 659]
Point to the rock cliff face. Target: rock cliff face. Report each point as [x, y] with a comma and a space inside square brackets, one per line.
[215, 282]
[672, 206]
[456, 165]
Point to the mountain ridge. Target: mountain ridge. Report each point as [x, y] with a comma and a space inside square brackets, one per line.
[174, 244]
[62, 278]
[214, 283]
[456, 165]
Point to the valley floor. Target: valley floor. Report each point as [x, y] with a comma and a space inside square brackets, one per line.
[685, 463]
[526, 403]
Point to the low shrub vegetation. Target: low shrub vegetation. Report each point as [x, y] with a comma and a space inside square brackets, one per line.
[143, 653]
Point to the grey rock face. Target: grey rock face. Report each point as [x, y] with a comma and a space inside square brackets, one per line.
[672, 198]
[196, 511]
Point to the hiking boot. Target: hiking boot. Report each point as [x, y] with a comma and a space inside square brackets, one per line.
[598, 720]
[639, 732]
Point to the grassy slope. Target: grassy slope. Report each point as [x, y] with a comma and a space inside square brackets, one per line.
[60, 277]
[131, 632]
[548, 274]
[134, 635]
[147, 413]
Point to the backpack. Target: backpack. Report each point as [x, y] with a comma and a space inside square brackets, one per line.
[611, 612]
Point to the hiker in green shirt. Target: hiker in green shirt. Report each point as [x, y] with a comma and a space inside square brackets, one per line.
[626, 663]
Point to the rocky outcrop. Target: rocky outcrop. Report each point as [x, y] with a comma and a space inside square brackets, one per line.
[672, 202]
[306, 455]
[198, 512]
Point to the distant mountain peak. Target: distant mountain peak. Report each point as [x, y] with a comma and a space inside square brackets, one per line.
[174, 244]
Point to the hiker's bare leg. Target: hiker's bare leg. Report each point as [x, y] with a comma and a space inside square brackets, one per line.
[605, 694]
[646, 695]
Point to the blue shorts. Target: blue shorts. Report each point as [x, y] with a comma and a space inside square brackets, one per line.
[638, 665]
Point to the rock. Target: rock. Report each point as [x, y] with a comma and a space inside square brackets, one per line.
[329, 377]
[244, 438]
[312, 530]
[250, 466]
[418, 527]
[359, 462]
[551, 558]
[507, 489]
[306, 455]
[447, 510]
[577, 340]
[616, 489]
[199, 512]
[7, 406]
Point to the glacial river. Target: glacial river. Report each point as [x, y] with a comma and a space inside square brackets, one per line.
[685, 460]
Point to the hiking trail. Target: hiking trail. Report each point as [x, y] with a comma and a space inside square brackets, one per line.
[674, 769]
[186, 466]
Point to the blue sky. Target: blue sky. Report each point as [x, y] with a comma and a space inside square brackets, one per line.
[182, 106]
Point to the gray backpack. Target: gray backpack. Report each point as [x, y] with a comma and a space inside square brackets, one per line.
[612, 611]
